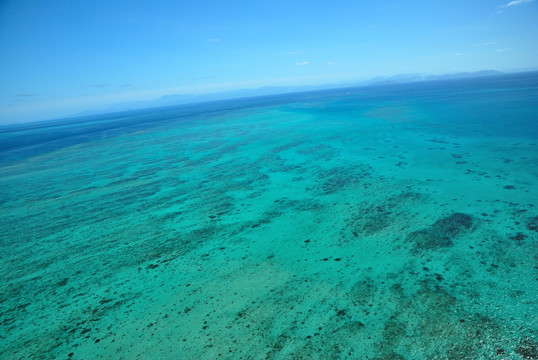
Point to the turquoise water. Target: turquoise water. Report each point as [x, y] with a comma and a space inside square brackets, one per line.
[394, 222]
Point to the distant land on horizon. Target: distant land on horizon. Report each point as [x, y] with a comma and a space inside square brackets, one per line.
[184, 99]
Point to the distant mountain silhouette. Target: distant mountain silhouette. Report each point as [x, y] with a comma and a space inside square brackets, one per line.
[405, 78]
[177, 99]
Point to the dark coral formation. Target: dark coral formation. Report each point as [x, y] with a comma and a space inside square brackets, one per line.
[532, 224]
[442, 233]
[528, 349]
[368, 220]
[338, 178]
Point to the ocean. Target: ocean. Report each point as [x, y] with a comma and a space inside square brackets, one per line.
[381, 222]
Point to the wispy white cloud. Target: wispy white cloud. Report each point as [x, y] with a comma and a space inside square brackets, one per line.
[329, 63]
[293, 53]
[212, 40]
[516, 2]
[458, 54]
[302, 63]
[502, 50]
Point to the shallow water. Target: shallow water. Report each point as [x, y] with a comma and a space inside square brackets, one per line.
[394, 222]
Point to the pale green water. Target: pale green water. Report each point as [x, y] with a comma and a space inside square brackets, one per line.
[387, 223]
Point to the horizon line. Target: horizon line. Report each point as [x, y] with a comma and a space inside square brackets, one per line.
[377, 81]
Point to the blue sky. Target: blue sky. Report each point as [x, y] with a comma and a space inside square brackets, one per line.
[60, 57]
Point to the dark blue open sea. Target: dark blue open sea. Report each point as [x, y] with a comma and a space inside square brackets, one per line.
[388, 222]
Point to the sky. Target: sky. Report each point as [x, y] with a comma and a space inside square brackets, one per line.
[61, 57]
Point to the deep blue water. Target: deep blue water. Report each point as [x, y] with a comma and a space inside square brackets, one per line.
[487, 105]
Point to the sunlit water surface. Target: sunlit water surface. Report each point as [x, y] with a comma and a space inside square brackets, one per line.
[394, 222]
